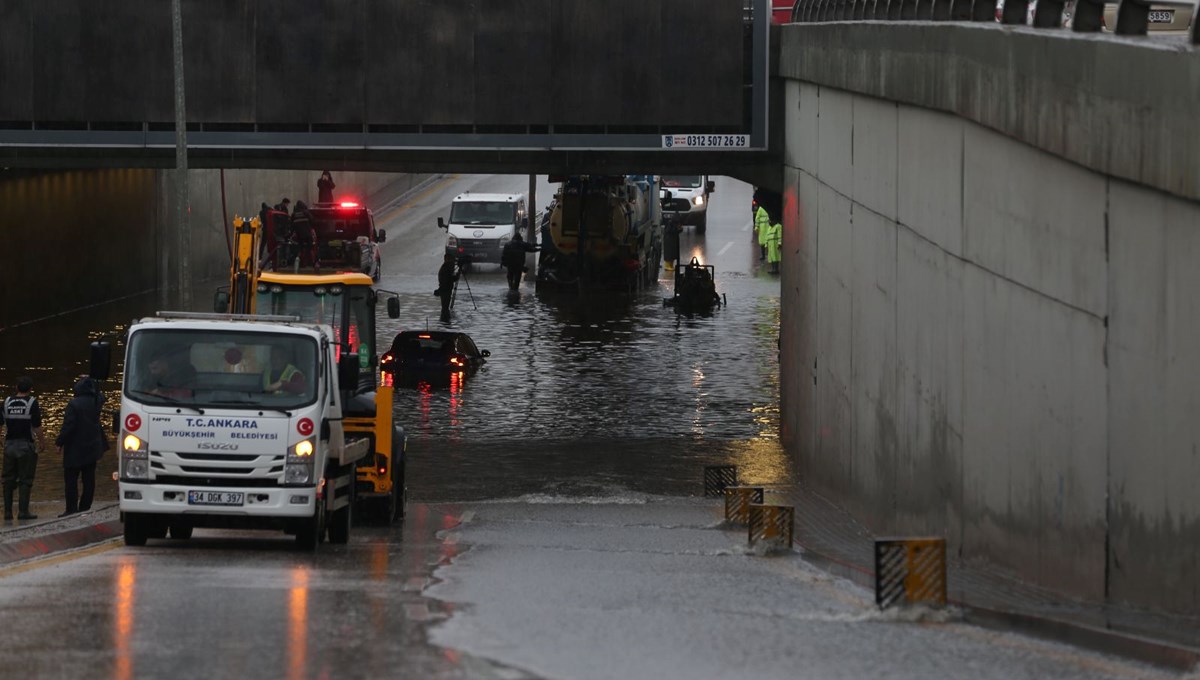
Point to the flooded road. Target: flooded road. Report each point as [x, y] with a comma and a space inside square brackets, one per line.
[579, 393]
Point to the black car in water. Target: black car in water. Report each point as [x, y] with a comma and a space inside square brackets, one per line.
[432, 352]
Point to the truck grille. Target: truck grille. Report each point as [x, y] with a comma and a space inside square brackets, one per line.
[217, 467]
[677, 205]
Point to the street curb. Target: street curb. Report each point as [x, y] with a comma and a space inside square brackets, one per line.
[41, 546]
[1107, 641]
[1080, 635]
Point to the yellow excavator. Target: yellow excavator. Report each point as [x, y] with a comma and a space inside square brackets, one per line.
[346, 301]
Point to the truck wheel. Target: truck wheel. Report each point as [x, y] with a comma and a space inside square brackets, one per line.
[181, 531]
[135, 530]
[339, 526]
[702, 224]
[313, 529]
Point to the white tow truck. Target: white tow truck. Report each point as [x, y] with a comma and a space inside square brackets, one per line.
[235, 421]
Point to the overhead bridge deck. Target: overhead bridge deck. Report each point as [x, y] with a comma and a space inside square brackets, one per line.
[397, 85]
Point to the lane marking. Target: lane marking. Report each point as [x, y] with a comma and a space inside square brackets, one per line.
[111, 544]
[392, 213]
[748, 225]
[466, 517]
[727, 247]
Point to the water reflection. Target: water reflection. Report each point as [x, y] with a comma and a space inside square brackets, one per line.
[601, 366]
[54, 353]
[297, 639]
[123, 613]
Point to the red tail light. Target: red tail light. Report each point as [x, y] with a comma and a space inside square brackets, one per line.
[349, 204]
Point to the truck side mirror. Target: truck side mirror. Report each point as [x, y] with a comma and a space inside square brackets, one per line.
[221, 301]
[710, 186]
[441, 223]
[393, 307]
[348, 371]
[100, 359]
[382, 235]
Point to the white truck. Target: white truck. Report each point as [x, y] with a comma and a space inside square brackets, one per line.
[481, 224]
[685, 200]
[235, 421]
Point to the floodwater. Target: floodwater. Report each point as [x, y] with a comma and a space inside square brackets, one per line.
[579, 392]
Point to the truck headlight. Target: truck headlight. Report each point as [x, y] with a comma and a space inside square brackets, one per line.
[298, 466]
[699, 200]
[135, 457]
[452, 241]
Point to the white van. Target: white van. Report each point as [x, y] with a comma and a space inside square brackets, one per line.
[481, 224]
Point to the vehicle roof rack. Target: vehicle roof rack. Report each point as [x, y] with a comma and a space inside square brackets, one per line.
[215, 316]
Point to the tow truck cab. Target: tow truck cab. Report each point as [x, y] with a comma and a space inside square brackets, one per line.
[344, 234]
[235, 422]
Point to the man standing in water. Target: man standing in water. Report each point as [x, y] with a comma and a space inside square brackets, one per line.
[23, 419]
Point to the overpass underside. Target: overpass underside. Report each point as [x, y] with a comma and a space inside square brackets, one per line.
[509, 86]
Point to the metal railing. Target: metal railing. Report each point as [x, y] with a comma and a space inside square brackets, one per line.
[1132, 16]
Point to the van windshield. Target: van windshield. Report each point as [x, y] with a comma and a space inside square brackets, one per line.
[681, 181]
[221, 369]
[483, 213]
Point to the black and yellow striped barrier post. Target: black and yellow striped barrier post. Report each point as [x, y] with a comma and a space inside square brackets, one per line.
[910, 571]
[738, 500]
[718, 477]
[772, 525]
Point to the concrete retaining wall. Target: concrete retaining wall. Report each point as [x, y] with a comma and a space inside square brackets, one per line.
[81, 238]
[985, 341]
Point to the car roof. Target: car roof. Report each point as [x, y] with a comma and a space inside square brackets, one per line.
[506, 198]
[433, 335]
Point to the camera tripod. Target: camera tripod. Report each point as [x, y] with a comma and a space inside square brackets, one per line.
[462, 276]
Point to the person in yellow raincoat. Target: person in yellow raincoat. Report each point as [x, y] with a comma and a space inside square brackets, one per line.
[762, 222]
[774, 246]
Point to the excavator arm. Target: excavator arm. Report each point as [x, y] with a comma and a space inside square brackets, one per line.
[243, 273]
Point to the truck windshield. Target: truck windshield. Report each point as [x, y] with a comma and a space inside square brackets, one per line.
[681, 181]
[326, 305]
[200, 368]
[483, 213]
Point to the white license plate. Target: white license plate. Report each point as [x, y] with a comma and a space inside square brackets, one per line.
[215, 498]
[1162, 16]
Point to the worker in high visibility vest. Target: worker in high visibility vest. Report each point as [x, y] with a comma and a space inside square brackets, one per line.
[762, 222]
[283, 376]
[774, 246]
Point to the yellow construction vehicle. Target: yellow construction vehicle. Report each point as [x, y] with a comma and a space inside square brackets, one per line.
[345, 301]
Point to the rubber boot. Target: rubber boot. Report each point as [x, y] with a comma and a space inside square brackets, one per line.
[23, 504]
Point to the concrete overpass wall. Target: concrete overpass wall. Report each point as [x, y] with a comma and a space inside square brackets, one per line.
[80, 238]
[982, 337]
[342, 64]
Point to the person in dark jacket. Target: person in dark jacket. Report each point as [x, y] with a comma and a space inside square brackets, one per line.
[302, 231]
[325, 187]
[512, 258]
[447, 276]
[81, 443]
